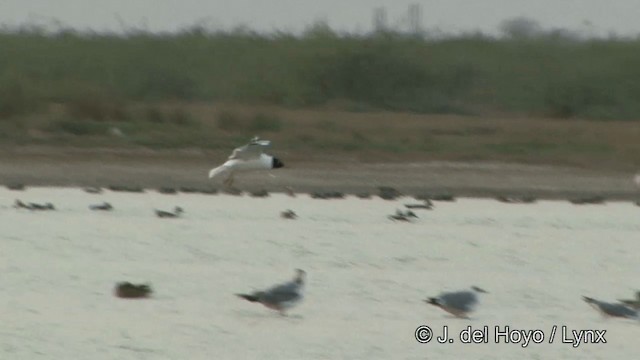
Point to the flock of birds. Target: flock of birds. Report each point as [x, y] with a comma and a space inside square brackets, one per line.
[460, 304]
[282, 297]
[250, 157]
[104, 206]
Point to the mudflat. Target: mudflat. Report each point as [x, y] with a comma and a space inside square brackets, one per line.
[59, 166]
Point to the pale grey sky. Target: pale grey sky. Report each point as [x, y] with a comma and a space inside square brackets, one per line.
[598, 17]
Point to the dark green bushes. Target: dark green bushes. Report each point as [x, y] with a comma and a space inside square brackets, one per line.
[542, 74]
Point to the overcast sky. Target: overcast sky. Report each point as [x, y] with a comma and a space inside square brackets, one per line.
[598, 17]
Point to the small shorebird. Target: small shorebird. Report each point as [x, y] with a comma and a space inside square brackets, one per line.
[127, 290]
[177, 211]
[403, 216]
[280, 297]
[288, 214]
[105, 206]
[93, 190]
[611, 309]
[426, 204]
[33, 206]
[525, 199]
[458, 303]
[249, 157]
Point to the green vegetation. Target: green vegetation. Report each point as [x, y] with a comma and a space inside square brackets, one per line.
[377, 95]
[548, 75]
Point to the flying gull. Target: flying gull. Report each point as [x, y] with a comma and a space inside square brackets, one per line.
[249, 157]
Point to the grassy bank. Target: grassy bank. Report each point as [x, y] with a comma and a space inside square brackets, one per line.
[544, 99]
[546, 75]
[328, 133]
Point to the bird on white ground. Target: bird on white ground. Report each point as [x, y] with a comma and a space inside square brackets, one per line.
[280, 297]
[458, 303]
[177, 212]
[606, 309]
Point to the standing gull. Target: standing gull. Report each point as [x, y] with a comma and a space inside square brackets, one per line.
[249, 157]
[611, 309]
[280, 297]
[458, 303]
[177, 212]
[403, 216]
[105, 206]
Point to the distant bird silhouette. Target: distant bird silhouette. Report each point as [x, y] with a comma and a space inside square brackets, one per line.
[105, 206]
[177, 212]
[128, 290]
[33, 206]
[47, 206]
[288, 214]
[403, 216]
[526, 199]
[93, 190]
[426, 204]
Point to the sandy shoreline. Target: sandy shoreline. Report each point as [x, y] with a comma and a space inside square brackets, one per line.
[155, 169]
[367, 277]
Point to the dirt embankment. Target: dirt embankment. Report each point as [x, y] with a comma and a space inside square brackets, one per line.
[154, 169]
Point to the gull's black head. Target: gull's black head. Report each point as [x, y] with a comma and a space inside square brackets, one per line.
[276, 163]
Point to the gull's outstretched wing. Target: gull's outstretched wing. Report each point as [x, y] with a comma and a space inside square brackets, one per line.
[252, 150]
[218, 171]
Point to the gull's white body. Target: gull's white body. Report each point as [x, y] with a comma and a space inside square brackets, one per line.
[250, 157]
[263, 162]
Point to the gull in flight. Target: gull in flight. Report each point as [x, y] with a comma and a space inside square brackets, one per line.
[247, 158]
[611, 309]
[459, 303]
[280, 297]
